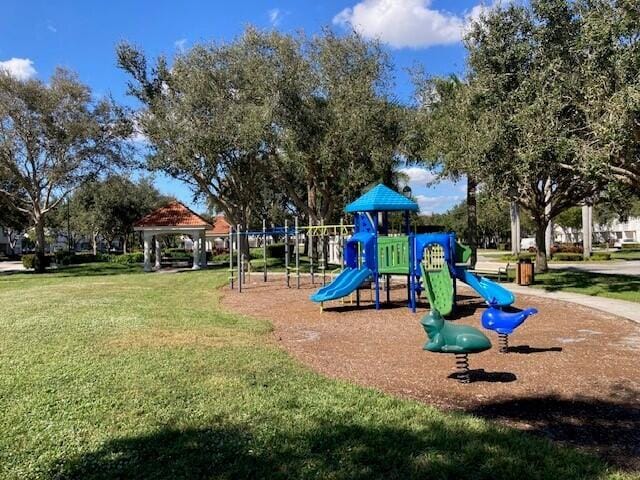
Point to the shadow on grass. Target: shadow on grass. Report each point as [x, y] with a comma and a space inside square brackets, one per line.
[609, 429]
[331, 450]
[559, 280]
[83, 270]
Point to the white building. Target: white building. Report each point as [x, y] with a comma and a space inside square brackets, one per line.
[610, 233]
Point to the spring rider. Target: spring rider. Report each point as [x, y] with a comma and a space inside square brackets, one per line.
[461, 340]
[504, 323]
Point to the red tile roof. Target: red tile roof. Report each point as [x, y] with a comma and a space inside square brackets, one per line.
[220, 226]
[174, 214]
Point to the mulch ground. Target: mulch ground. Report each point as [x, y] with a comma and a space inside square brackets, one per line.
[571, 374]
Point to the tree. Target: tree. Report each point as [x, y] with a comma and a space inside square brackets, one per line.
[609, 63]
[445, 138]
[53, 138]
[525, 89]
[109, 208]
[233, 120]
[12, 220]
[340, 130]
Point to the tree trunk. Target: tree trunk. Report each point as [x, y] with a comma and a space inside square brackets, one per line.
[40, 244]
[124, 243]
[472, 219]
[94, 242]
[12, 236]
[541, 245]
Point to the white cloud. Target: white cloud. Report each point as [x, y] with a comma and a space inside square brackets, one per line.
[408, 23]
[180, 44]
[275, 16]
[52, 29]
[20, 68]
[436, 204]
[418, 176]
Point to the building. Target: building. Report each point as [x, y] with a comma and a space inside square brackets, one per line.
[609, 233]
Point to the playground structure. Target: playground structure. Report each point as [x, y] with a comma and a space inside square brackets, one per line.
[368, 252]
[431, 262]
[327, 239]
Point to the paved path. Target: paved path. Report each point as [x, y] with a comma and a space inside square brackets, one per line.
[621, 308]
[619, 267]
[11, 266]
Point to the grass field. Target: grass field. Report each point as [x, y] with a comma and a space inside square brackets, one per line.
[622, 287]
[109, 373]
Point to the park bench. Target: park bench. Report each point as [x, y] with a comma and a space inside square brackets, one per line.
[498, 272]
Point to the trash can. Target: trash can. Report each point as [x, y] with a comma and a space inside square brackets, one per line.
[524, 272]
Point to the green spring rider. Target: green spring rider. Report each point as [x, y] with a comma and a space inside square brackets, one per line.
[460, 340]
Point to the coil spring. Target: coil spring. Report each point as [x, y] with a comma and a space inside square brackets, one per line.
[503, 338]
[462, 364]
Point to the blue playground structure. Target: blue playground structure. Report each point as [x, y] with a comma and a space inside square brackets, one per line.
[432, 262]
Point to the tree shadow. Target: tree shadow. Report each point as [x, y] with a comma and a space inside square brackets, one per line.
[480, 375]
[467, 308]
[338, 450]
[526, 349]
[607, 428]
[81, 270]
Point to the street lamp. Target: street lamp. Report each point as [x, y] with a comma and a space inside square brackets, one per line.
[406, 191]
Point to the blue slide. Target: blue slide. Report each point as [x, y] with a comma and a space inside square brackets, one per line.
[345, 283]
[492, 292]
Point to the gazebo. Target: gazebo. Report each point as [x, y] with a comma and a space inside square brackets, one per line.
[169, 220]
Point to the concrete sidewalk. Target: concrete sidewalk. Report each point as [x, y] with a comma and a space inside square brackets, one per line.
[621, 308]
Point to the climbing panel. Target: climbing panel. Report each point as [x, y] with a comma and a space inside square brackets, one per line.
[393, 255]
[437, 279]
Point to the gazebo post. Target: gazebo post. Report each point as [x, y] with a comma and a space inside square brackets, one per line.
[203, 249]
[147, 252]
[158, 253]
[196, 250]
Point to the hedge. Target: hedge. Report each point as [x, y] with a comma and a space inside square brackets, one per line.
[570, 257]
[31, 261]
[630, 246]
[127, 258]
[521, 256]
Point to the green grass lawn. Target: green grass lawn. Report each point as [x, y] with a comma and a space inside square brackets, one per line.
[622, 287]
[109, 373]
[626, 255]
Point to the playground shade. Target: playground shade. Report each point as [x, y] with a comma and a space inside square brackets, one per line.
[381, 199]
[344, 284]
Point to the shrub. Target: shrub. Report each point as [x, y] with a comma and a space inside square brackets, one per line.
[220, 258]
[31, 261]
[630, 246]
[568, 257]
[600, 256]
[521, 256]
[568, 248]
[275, 251]
[70, 258]
[127, 258]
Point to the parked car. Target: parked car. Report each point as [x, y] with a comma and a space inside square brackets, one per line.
[528, 244]
[622, 241]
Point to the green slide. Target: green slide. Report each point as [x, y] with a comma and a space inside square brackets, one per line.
[438, 285]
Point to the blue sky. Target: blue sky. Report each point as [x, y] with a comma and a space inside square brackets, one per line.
[37, 36]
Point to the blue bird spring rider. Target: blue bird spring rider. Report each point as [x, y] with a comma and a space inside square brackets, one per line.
[504, 323]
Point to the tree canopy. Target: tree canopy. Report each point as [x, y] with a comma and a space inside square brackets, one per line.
[53, 138]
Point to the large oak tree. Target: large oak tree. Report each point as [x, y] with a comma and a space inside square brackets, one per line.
[53, 138]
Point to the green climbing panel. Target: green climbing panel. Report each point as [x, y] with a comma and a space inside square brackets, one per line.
[393, 255]
[437, 280]
[463, 253]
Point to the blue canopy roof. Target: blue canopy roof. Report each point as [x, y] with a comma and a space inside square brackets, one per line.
[381, 199]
